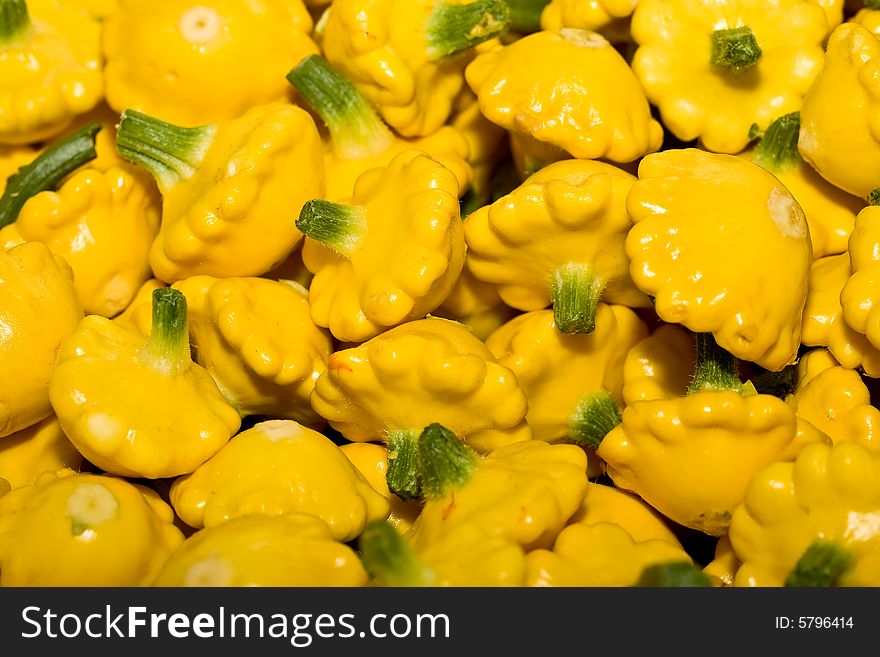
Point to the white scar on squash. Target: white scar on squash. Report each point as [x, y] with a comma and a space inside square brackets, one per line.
[277, 430]
[786, 214]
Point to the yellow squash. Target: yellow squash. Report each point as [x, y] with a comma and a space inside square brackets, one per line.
[721, 571]
[193, 62]
[277, 467]
[476, 304]
[407, 56]
[31, 452]
[139, 312]
[295, 549]
[716, 67]
[573, 383]
[659, 367]
[742, 275]
[431, 370]
[50, 68]
[11, 159]
[812, 522]
[84, 530]
[138, 406]
[231, 192]
[257, 340]
[38, 311]
[565, 89]
[558, 239]
[858, 298]
[388, 256]
[608, 17]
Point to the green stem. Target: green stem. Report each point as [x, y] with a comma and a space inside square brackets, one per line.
[779, 384]
[335, 225]
[874, 195]
[389, 559]
[167, 349]
[822, 564]
[677, 574]
[575, 294]
[872, 4]
[525, 15]
[595, 416]
[171, 153]
[446, 463]
[454, 28]
[778, 149]
[716, 368]
[356, 130]
[14, 19]
[734, 51]
[47, 170]
[402, 475]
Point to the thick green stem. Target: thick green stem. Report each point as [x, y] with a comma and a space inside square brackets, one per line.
[778, 148]
[874, 197]
[167, 349]
[171, 153]
[446, 463]
[525, 15]
[356, 130]
[822, 564]
[734, 51]
[47, 170]
[454, 28]
[677, 574]
[335, 225]
[575, 293]
[388, 558]
[14, 19]
[716, 368]
[872, 4]
[595, 416]
[402, 475]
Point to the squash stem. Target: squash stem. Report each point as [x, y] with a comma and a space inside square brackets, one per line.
[874, 195]
[402, 475]
[356, 130]
[47, 170]
[778, 149]
[595, 416]
[446, 464]
[388, 558]
[167, 349]
[525, 15]
[676, 574]
[717, 369]
[453, 28]
[171, 153]
[335, 225]
[822, 564]
[734, 51]
[575, 294]
[14, 19]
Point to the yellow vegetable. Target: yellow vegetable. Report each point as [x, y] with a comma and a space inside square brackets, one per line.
[50, 68]
[407, 56]
[836, 401]
[467, 556]
[829, 211]
[679, 454]
[869, 18]
[715, 67]
[567, 89]
[840, 131]
[38, 310]
[525, 492]
[573, 383]
[11, 159]
[741, 276]
[31, 452]
[819, 511]
[475, 304]
[390, 255]
[371, 460]
[139, 312]
[99, 9]
[137, 406]
[558, 239]
[431, 370]
[859, 294]
[660, 366]
[601, 554]
[257, 340]
[295, 549]
[192, 62]
[359, 140]
[231, 193]
[824, 320]
[278, 467]
[84, 530]
[608, 17]
[722, 569]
